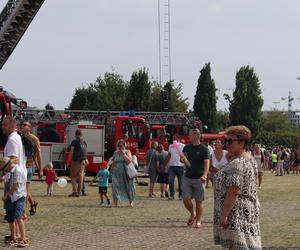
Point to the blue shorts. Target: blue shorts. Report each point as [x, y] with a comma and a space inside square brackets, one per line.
[30, 172]
[14, 210]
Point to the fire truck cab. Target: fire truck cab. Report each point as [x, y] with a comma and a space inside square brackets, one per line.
[134, 130]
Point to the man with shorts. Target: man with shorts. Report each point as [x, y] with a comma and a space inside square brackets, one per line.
[77, 160]
[26, 130]
[196, 159]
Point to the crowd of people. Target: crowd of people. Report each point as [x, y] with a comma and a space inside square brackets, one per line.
[234, 168]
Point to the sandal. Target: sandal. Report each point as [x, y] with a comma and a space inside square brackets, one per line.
[23, 243]
[198, 225]
[191, 221]
[11, 242]
[33, 206]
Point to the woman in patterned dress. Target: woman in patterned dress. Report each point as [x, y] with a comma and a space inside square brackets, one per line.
[236, 205]
[123, 188]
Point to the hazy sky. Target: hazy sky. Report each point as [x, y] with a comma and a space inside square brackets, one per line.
[72, 42]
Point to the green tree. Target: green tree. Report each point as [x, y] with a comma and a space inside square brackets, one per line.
[205, 99]
[107, 93]
[172, 99]
[138, 95]
[276, 129]
[155, 104]
[245, 107]
[222, 120]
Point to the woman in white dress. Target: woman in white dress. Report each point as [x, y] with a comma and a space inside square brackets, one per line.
[218, 158]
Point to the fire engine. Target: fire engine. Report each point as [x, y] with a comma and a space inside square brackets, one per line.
[99, 127]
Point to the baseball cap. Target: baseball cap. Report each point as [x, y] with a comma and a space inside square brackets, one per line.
[103, 163]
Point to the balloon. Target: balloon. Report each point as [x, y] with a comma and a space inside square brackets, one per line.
[62, 182]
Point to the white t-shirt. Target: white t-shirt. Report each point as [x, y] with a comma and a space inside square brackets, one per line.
[175, 154]
[219, 164]
[18, 175]
[14, 147]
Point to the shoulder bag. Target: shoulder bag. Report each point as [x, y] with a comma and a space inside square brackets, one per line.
[130, 170]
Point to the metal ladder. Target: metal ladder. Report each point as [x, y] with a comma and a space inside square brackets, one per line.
[15, 18]
[98, 117]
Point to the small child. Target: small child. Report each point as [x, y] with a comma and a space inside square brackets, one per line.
[50, 177]
[103, 176]
[15, 201]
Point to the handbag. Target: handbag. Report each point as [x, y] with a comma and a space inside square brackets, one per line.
[131, 172]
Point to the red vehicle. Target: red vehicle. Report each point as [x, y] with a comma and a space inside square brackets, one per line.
[101, 139]
[158, 134]
[137, 135]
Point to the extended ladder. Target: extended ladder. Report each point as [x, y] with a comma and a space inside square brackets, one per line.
[98, 117]
[15, 18]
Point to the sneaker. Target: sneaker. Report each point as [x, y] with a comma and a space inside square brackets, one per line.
[166, 194]
[171, 198]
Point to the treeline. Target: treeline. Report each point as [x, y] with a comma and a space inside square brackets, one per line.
[113, 92]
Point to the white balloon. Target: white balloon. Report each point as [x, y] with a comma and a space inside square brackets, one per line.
[62, 182]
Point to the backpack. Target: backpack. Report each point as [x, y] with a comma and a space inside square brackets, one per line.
[29, 146]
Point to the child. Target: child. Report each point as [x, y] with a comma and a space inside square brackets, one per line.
[103, 176]
[50, 177]
[15, 200]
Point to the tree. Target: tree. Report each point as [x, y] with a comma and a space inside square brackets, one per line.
[222, 120]
[205, 99]
[155, 104]
[112, 92]
[172, 99]
[138, 95]
[276, 129]
[108, 93]
[245, 107]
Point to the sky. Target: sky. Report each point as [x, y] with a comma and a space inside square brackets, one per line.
[72, 42]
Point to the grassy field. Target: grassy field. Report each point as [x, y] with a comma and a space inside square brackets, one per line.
[59, 215]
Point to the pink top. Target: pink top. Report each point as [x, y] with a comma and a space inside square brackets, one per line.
[50, 176]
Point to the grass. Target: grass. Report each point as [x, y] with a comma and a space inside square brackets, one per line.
[57, 215]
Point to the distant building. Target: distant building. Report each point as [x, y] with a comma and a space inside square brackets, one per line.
[295, 117]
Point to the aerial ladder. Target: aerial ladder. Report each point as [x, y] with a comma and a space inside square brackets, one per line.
[15, 18]
[99, 117]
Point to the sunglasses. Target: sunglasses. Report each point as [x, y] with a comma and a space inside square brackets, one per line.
[231, 140]
[121, 145]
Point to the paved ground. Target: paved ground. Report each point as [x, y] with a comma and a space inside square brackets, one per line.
[80, 223]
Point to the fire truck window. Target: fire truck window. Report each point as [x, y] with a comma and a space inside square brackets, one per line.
[154, 134]
[141, 136]
[130, 129]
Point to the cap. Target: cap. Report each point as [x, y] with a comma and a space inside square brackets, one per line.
[103, 163]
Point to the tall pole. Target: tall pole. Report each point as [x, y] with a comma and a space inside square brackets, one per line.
[159, 41]
[169, 22]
